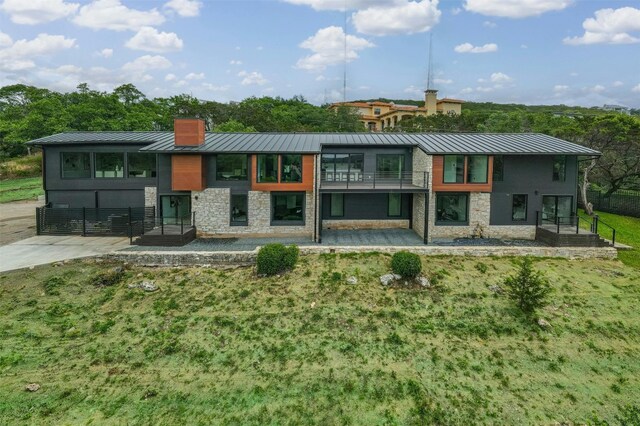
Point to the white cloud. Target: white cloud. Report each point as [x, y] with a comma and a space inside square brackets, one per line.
[32, 12]
[560, 88]
[515, 8]
[170, 77]
[636, 89]
[456, 11]
[194, 76]
[617, 83]
[470, 48]
[611, 26]
[524, 46]
[113, 15]
[19, 55]
[498, 77]
[147, 63]
[251, 78]
[442, 81]
[489, 24]
[406, 17]
[574, 74]
[598, 88]
[235, 62]
[413, 90]
[466, 90]
[340, 4]
[105, 53]
[260, 48]
[184, 8]
[214, 88]
[5, 40]
[152, 40]
[327, 46]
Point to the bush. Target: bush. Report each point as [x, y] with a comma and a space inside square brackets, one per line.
[108, 278]
[405, 264]
[276, 258]
[528, 288]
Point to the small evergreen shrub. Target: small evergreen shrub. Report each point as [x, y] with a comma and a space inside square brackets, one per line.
[528, 288]
[276, 258]
[406, 264]
[109, 277]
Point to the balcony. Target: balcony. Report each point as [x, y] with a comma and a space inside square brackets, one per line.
[355, 181]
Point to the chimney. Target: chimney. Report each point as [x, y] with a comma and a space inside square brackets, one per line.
[430, 100]
[188, 131]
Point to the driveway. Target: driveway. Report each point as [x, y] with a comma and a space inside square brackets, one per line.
[17, 221]
[47, 249]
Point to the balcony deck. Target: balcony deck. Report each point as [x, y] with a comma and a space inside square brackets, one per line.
[375, 182]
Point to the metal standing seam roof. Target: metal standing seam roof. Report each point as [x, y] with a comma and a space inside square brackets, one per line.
[431, 143]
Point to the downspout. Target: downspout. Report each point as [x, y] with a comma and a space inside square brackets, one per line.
[426, 217]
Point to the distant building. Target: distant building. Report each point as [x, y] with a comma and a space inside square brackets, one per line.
[377, 116]
[617, 108]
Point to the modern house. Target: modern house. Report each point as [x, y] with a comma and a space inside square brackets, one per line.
[285, 184]
[378, 116]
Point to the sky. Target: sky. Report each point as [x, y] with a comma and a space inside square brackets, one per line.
[573, 52]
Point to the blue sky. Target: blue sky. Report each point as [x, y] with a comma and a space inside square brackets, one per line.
[576, 52]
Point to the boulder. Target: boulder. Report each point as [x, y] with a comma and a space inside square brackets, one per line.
[352, 280]
[543, 323]
[32, 387]
[148, 286]
[495, 288]
[388, 279]
[424, 282]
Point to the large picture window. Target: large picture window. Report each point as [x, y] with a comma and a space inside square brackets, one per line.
[141, 165]
[110, 164]
[287, 209]
[267, 168]
[394, 205]
[477, 168]
[76, 165]
[519, 208]
[239, 209]
[559, 168]
[231, 167]
[498, 168]
[342, 167]
[453, 169]
[452, 208]
[390, 165]
[291, 168]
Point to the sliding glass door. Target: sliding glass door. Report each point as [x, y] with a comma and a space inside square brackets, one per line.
[174, 207]
[556, 206]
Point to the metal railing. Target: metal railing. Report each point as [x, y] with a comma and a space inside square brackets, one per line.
[92, 221]
[380, 180]
[577, 222]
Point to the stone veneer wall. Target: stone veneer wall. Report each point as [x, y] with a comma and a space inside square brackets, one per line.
[365, 224]
[150, 196]
[479, 209]
[212, 209]
[422, 162]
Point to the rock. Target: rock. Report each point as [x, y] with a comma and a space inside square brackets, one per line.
[117, 270]
[543, 323]
[313, 304]
[140, 275]
[424, 282]
[495, 288]
[133, 285]
[32, 387]
[148, 286]
[389, 279]
[352, 280]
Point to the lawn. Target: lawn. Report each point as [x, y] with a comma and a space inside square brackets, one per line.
[20, 189]
[627, 232]
[217, 346]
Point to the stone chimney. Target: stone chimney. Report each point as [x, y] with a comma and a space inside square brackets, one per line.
[188, 131]
[430, 101]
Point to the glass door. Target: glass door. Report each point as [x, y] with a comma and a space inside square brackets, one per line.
[174, 207]
[556, 206]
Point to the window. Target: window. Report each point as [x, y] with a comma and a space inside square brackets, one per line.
[453, 169]
[498, 168]
[109, 164]
[76, 165]
[477, 168]
[291, 168]
[394, 205]
[287, 209]
[556, 207]
[268, 168]
[559, 168]
[141, 165]
[340, 167]
[389, 166]
[337, 205]
[519, 207]
[231, 167]
[175, 209]
[452, 208]
[239, 208]
[376, 111]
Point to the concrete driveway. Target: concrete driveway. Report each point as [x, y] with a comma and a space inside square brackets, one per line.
[47, 249]
[18, 221]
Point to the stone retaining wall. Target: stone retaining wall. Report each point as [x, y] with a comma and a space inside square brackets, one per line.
[219, 258]
[365, 224]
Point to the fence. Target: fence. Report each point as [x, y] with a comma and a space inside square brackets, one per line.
[91, 221]
[622, 202]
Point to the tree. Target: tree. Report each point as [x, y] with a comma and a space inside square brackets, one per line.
[528, 288]
[233, 126]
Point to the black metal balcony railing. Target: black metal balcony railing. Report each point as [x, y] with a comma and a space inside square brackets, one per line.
[377, 180]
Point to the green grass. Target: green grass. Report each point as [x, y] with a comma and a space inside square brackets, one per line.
[224, 347]
[627, 232]
[20, 189]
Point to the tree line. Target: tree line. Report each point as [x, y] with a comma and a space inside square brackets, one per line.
[28, 113]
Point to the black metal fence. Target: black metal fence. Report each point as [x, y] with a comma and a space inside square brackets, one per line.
[621, 202]
[129, 222]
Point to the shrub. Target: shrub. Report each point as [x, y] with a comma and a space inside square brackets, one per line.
[528, 288]
[276, 258]
[108, 278]
[405, 264]
[52, 284]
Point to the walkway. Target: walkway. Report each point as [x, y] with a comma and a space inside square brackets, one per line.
[17, 221]
[47, 249]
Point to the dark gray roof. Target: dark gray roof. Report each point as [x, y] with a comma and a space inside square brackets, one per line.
[431, 143]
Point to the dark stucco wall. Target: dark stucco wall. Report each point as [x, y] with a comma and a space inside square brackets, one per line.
[92, 192]
[528, 175]
[366, 206]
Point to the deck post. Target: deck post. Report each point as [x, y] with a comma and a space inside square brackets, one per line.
[577, 224]
[558, 224]
[181, 225]
[84, 221]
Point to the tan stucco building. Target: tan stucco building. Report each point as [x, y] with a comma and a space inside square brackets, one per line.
[378, 116]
